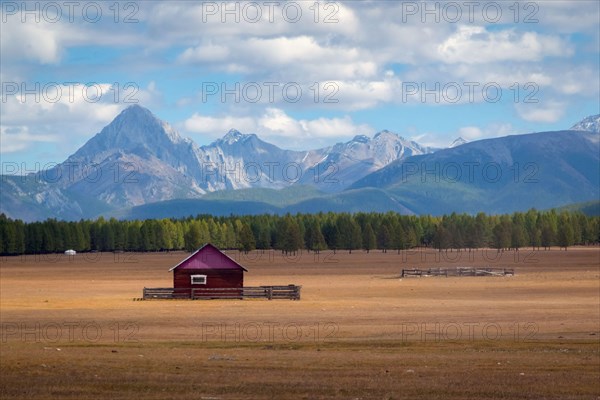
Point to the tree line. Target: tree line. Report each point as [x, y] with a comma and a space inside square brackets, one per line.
[314, 232]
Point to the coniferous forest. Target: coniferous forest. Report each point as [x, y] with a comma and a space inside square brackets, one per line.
[315, 232]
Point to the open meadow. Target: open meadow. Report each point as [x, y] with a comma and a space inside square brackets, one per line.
[71, 329]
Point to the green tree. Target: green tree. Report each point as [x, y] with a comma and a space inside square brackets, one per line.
[289, 238]
[332, 235]
[384, 239]
[399, 238]
[315, 240]
[350, 234]
[565, 231]
[261, 227]
[502, 234]
[148, 236]
[246, 238]
[441, 239]
[369, 240]
[519, 235]
[134, 240]
[193, 236]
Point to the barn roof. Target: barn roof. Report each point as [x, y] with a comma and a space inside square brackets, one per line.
[208, 257]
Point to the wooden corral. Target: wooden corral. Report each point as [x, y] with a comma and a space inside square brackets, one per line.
[290, 292]
[459, 271]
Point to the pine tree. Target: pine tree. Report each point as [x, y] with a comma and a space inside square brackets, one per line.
[314, 238]
[384, 238]
[369, 240]
[193, 236]
[399, 238]
[332, 235]
[246, 238]
[134, 237]
[565, 231]
[502, 233]
[441, 240]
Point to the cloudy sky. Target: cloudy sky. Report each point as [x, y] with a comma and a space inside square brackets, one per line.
[299, 74]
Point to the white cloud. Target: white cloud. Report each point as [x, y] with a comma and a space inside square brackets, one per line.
[204, 53]
[19, 138]
[368, 53]
[33, 42]
[41, 41]
[470, 133]
[561, 16]
[185, 22]
[296, 58]
[477, 45]
[357, 94]
[276, 126]
[544, 112]
[214, 127]
[67, 115]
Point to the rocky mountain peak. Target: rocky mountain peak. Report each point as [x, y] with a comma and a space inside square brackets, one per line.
[361, 139]
[137, 132]
[589, 124]
[458, 142]
[233, 136]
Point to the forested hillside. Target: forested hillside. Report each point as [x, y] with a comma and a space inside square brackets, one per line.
[289, 233]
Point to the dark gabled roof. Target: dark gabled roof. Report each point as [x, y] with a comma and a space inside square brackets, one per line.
[209, 257]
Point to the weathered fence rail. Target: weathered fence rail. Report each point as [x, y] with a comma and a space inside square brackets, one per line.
[289, 292]
[458, 271]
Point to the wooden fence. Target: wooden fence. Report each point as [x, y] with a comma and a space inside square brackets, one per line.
[289, 292]
[459, 271]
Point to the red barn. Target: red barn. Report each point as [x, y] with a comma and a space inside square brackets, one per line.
[207, 268]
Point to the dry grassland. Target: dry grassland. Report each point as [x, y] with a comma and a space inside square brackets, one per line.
[71, 330]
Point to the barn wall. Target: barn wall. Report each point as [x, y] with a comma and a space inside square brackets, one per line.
[215, 278]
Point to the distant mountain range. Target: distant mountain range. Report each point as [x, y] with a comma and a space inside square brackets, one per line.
[140, 167]
[541, 170]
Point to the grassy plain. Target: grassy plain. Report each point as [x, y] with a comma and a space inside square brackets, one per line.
[71, 330]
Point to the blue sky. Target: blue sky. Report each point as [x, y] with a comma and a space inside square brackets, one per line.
[298, 77]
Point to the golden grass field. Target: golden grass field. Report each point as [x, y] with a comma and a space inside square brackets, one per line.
[71, 330]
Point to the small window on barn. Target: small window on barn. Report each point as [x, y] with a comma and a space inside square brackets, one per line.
[198, 279]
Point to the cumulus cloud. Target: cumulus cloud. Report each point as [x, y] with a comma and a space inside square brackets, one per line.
[67, 115]
[477, 45]
[561, 16]
[39, 43]
[365, 49]
[544, 112]
[295, 58]
[469, 133]
[204, 53]
[277, 126]
[18, 138]
[214, 127]
[472, 133]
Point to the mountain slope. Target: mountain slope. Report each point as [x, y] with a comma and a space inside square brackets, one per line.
[352, 201]
[589, 124]
[138, 160]
[589, 208]
[347, 162]
[458, 142]
[541, 170]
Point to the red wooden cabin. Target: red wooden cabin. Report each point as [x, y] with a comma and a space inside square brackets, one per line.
[207, 268]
